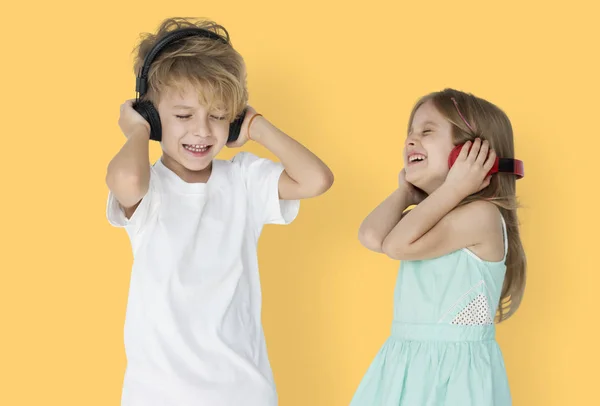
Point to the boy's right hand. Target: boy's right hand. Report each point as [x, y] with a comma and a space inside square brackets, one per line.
[132, 122]
[413, 194]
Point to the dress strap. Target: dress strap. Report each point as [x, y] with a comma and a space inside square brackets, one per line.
[505, 232]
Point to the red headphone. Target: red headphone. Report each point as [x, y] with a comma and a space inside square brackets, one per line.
[504, 165]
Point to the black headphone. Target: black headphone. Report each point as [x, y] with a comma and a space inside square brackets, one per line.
[145, 107]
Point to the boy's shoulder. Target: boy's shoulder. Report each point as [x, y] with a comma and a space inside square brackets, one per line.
[247, 163]
[244, 158]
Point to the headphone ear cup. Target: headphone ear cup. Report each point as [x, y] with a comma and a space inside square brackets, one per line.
[236, 127]
[454, 155]
[146, 109]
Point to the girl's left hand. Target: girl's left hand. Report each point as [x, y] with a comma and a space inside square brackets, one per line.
[469, 174]
[413, 193]
[243, 137]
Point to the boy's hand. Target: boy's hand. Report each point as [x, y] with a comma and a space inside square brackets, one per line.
[243, 138]
[131, 122]
[413, 194]
[469, 174]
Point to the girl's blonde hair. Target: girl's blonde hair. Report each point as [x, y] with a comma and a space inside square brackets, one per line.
[487, 121]
[215, 69]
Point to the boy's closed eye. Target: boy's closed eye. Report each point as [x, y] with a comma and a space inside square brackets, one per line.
[185, 117]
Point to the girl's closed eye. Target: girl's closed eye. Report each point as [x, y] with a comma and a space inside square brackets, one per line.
[218, 117]
[183, 117]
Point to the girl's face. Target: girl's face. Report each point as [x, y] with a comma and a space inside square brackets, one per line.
[427, 148]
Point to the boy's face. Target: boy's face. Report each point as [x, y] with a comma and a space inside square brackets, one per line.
[191, 134]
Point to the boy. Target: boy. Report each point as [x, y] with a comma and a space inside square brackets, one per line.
[193, 334]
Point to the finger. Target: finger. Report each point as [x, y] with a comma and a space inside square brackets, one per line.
[475, 150]
[486, 182]
[464, 151]
[483, 153]
[491, 160]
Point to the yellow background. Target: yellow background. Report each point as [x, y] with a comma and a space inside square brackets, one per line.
[341, 78]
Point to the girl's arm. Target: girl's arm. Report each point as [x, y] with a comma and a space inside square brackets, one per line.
[435, 227]
[378, 224]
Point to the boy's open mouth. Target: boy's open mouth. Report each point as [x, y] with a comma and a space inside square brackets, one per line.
[197, 148]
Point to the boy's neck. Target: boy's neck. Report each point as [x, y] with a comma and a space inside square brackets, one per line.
[186, 174]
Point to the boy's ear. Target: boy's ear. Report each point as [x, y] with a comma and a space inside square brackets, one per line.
[147, 110]
[236, 127]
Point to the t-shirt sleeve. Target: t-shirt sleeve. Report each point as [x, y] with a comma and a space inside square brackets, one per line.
[261, 178]
[145, 210]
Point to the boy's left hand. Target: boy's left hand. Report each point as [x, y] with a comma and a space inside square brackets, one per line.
[469, 174]
[243, 137]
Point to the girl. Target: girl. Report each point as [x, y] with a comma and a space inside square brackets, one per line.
[463, 264]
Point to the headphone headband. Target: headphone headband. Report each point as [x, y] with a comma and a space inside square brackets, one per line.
[501, 165]
[141, 83]
[509, 165]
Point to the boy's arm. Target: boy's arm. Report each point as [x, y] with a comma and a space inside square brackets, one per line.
[305, 175]
[128, 173]
[378, 224]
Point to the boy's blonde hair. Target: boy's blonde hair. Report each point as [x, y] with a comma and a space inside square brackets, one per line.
[489, 123]
[215, 69]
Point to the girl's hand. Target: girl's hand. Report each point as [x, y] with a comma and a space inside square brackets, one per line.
[130, 121]
[469, 174]
[413, 193]
[243, 137]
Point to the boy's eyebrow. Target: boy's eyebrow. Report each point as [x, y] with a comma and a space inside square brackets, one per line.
[184, 107]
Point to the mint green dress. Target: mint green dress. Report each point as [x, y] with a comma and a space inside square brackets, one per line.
[442, 349]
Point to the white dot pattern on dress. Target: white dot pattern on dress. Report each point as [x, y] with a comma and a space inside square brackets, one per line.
[477, 313]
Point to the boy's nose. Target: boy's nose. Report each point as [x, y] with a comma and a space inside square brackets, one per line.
[201, 128]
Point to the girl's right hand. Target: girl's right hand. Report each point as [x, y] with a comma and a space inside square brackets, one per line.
[131, 122]
[413, 193]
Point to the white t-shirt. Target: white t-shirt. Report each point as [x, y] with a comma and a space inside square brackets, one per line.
[193, 331]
